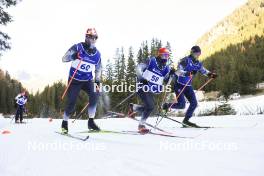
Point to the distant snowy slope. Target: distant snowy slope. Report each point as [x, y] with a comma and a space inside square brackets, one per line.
[244, 106]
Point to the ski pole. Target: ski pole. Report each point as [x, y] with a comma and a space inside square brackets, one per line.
[176, 99]
[209, 80]
[12, 119]
[80, 114]
[69, 83]
[163, 100]
[131, 95]
[166, 117]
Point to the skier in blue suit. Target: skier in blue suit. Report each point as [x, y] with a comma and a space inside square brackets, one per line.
[151, 75]
[187, 69]
[87, 60]
[21, 99]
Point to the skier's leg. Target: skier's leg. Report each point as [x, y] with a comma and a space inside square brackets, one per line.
[72, 95]
[136, 108]
[21, 113]
[190, 95]
[149, 104]
[180, 104]
[17, 114]
[181, 100]
[90, 89]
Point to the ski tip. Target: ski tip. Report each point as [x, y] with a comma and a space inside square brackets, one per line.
[73, 136]
[87, 137]
[6, 132]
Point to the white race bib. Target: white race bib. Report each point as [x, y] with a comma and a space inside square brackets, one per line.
[84, 67]
[153, 77]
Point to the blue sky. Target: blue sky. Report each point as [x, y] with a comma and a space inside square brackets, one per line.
[42, 31]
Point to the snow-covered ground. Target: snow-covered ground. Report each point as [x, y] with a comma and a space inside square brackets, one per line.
[34, 149]
[243, 106]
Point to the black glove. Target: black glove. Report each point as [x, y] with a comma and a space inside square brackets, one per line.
[144, 81]
[212, 75]
[189, 73]
[97, 83]
[172, 71]
[75, 56]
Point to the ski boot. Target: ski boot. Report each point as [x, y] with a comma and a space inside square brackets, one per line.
[64, 127]
[142, 129]
[131, 112]
[187, 123]
[92, 125]
[165, 109]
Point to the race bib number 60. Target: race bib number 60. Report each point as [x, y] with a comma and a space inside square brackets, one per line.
[84, 67]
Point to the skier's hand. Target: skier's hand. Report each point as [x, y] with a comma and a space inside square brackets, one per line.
[144, 81]
[189, 73]
[97, 85]
[212, 75]
[75, 56]
[172, 71]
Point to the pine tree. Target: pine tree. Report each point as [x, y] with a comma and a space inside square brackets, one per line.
[131, 73]
[140, 56]
[122, 65]
[117, 66]
[3, 106]
[4, 20]
[7, 77]
[114, 95]
[131, 68]
[168, 46]
[153, 47]
[9, 98]
[109, 72]
[145, 50]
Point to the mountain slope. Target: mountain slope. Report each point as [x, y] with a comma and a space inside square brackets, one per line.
[243, 24]
[234, 48]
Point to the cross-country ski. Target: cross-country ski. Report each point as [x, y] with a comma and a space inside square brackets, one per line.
[131, 88]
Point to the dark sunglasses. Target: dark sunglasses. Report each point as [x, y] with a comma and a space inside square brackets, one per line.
[94, 37]
[165, 54]
[197, 53]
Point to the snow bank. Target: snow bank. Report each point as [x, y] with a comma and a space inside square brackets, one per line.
[244, 106]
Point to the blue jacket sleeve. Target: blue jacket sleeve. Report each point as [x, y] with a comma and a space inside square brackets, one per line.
[70, 55]
[203, 70]
[181, 67]
[167, 76]
[141, 67]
